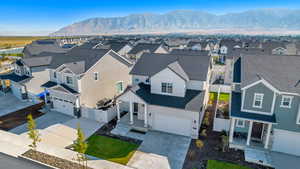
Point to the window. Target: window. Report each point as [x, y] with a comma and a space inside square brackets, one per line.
[96, 75]
[240, 123]
[286, 101]
[69, 80]
[54, 75]
[119, 87]
[258, 100]
[166, 87]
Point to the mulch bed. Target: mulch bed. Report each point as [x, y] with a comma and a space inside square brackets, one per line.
[52, 160]
[14, 119]
[212, 150]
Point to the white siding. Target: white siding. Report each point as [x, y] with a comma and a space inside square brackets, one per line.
[61, 79]
[125, 50]
[168, 76]
[286, 142]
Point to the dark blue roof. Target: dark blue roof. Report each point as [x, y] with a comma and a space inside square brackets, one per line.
[14, 77]
[49, 84]
[192, 101]
[236, 110]
[237, 71]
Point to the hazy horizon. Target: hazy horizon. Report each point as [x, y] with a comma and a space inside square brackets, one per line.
[32, 17]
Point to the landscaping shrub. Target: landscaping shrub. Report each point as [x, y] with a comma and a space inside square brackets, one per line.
[199, 143]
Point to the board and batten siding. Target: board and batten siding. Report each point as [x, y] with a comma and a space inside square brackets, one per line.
[267, 98]
[168, 76]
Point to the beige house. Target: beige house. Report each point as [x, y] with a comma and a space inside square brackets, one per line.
[83, 77]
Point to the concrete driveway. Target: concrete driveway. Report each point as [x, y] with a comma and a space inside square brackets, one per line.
[47, 120]
[284, 161]
[173, 147]
[9, 103]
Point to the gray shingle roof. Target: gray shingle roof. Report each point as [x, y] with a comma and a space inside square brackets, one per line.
[151, 47]
[188, 52]
[58, 87]
[193, 100]
[37, 61]
[36, 48]
[14, 77]
[282, 71]
[195, 66]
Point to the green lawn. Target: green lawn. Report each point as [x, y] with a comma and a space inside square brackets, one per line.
[214, 164]
[110, 149]
[223, 96]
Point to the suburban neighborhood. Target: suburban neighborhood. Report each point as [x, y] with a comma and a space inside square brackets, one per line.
[150, 84]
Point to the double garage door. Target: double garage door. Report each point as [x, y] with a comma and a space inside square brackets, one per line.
[63, 106]
[173, 124]
[286, 142]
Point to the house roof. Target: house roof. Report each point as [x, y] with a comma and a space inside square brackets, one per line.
[188, 52]
[151, 47]
[193, 43]
[59, 87]
[195, 66]
[193, 100]
[236, 111]
[281, 71]
[37, 61]
[14, 77]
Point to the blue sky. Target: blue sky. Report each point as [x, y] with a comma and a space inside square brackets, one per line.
[40, 17]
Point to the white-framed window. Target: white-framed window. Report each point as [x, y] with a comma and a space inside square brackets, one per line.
[286, 101]
[96, 76]
[120, 87]
[240, 123]
[69, 80]
[167, 88]
[258, 100]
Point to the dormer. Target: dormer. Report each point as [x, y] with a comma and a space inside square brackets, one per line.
[21, 69]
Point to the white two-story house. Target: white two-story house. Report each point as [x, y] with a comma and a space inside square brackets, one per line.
[169, 93]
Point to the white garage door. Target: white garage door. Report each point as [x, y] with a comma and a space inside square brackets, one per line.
[286, 142]
[171, 124]
[63, 106]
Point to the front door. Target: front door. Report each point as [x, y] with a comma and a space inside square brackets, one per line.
[135, 108]
[257, 131]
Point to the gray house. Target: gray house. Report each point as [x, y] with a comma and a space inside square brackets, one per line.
[264, 110]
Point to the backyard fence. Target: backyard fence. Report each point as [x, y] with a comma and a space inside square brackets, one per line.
[99, 115]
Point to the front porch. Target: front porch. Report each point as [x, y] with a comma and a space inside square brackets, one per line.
[249, 134]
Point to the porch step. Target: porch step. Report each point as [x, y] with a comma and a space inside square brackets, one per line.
[142, 129]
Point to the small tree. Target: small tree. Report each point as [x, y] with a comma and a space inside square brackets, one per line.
[33, 132]
[80, 146]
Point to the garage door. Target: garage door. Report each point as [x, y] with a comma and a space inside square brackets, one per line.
[286, 142]
[63, 106]
[171, 124]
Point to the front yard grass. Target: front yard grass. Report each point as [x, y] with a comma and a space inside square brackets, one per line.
[214, 164]
[111, 149]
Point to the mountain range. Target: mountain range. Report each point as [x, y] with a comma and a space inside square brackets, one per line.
[185, 20]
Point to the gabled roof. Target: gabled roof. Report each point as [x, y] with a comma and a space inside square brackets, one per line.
[176, 68]
[281, 71]
[188, 52]
[150, 47]
[195, 66]
[193, 100]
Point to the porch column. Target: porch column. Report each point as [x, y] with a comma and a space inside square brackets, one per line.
[77, 104]
[118, 111]
[131, 112]
[249, 133]
[268, 135]
[145, 115]
[231, 130]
